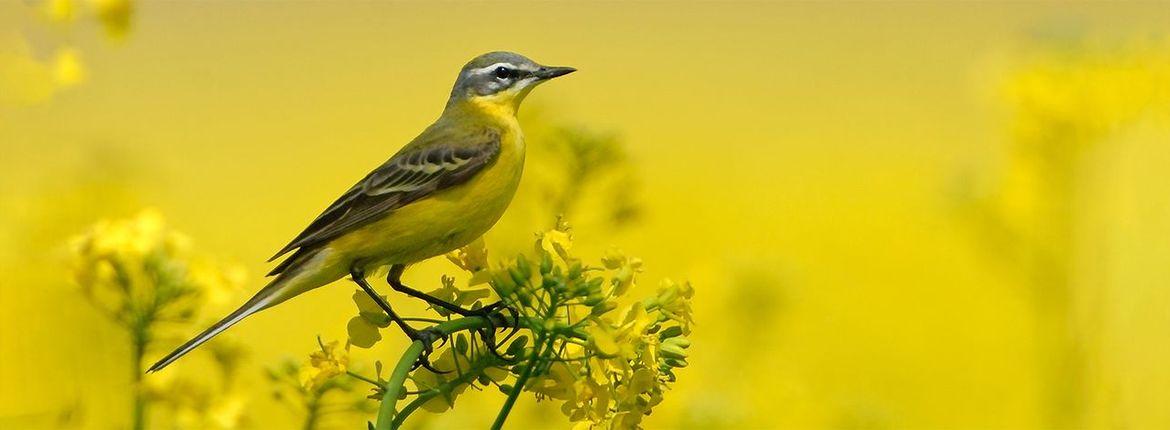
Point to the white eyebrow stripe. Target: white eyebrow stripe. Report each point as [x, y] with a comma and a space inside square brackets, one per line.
[492, 67]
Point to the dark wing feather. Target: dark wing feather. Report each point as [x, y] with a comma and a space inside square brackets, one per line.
[410, 175]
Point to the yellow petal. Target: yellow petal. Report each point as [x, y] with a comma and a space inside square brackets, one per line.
[480, 277]
[68, 70]
[59, 10]
[437, 404]
[603, 342]
[362, 334]
[557, 242]
[496, 374]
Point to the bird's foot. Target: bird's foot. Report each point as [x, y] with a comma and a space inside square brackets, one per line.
[427, 336]
[496, 314]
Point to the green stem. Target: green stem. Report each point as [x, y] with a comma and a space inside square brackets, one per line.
[312, 407]
[422, 399]
[387, 418]
[138, 419]
[538, 353]
[357, 376]
[520, 381]
[396, 385]
[397, 382]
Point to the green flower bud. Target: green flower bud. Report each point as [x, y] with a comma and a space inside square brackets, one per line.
[594, 285]
[502, 284]
[461, 344]
[506, 388]
[672, 351]
[524, 297]
[680, 342]
[675, 363]
[575, 270]
[519, 277]
[517, 347]
[594, 299]
[669, 332]
[546, 263]
[603, 308]
[549, 283]
[522, 264]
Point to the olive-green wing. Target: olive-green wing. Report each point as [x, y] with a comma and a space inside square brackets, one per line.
[414, 173]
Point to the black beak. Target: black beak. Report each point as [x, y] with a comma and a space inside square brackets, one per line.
[546, 73]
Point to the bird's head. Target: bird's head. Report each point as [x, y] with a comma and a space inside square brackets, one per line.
[499, 81]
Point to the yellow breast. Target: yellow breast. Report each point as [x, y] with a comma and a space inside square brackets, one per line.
[442, 222]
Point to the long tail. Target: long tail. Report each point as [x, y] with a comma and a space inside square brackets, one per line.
[260, 301]
[302, 273]
[298, 275]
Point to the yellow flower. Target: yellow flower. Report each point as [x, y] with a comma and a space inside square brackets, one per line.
[451, 294]
[59, 10]
[627, 268]
[227, 412]
[556, 242]
[138, 266]
[472, 257]
[427, 380]
[674, 300]
[68, 70]
[558, 384]
[363, 328]
[1090, 93]
[323, 365]
[129, 238]
[221, 283]
[603, 341]
[362, 333]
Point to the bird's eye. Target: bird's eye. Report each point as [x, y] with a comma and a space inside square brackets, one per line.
[503, 73]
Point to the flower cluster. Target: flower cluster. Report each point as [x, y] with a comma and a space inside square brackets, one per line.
[1077, 96]
[141, 275]
[324, 364]
[139, 272]
[608, 363]
[29, 76]
[315, 388]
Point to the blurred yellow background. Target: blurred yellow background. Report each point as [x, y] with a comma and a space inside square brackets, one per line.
[896, 215]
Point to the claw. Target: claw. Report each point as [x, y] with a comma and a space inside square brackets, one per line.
[515, 322]
[495, 347]
[427, 337]
[426, 364]
[490, 313]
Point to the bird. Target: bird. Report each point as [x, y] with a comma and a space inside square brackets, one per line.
[440, 192]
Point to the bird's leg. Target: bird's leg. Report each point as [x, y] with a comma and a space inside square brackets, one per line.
[490, 313]
[427, 336]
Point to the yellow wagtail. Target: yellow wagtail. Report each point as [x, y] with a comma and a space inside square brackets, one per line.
[441, 191]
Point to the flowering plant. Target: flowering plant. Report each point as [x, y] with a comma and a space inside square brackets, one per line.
[567, 339]
[144, 278]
